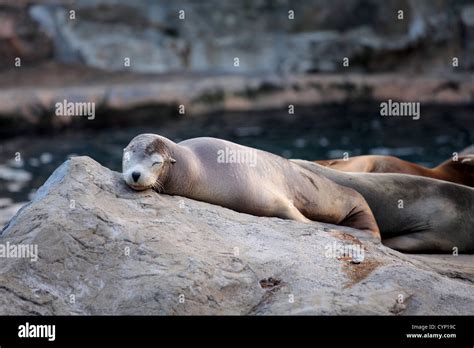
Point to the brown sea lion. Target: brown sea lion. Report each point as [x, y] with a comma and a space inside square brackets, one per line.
[459, 170]
[243, 179]
[414, 214]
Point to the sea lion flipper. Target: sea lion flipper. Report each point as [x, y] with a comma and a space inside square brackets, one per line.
[293, 213]
[360, 216]
[338, 204]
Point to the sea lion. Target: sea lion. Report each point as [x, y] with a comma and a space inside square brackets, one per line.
[414, 214]
[459, 170]
[263, 184]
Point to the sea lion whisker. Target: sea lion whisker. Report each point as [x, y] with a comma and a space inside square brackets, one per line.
[158, 186]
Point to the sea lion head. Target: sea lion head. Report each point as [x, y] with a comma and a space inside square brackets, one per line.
[146, 161]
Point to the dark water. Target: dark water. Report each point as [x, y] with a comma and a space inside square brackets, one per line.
[313, 132]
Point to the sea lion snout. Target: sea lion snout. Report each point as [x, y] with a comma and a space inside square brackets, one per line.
[138, 178]
[135, 176]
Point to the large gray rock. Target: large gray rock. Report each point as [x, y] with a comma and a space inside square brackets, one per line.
[105, 249]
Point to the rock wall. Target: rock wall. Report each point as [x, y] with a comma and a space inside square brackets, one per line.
[27, 109]
[21, 36]
[211, 33]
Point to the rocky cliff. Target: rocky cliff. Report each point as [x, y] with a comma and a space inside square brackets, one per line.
[266, 35]
[105, 249]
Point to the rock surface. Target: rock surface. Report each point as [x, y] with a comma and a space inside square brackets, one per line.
[27, 105]
[266, 35]
[163, 36]
[105, 249]
[8, 209]
[21, 37]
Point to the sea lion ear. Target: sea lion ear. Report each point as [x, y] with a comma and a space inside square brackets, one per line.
[172, 160]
